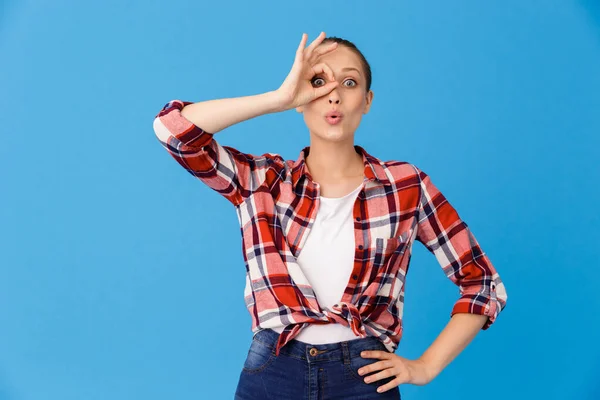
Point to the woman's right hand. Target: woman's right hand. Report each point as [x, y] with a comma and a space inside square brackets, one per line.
[297, 89]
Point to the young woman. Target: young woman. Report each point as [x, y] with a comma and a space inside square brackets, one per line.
[327, 238]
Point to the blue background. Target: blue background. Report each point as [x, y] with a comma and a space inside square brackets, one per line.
[121, 276]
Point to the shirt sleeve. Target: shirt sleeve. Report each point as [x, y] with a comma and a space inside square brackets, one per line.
[449, 238]
[233, 174]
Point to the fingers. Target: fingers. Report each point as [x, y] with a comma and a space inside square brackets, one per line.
[386, 373]
[323, 68]
[325, 90]
[376, 354]
[391, 372]
[297, 66]
[324, 49]
[313, 45]
[300, 49]
[390, 385]
[376, 366]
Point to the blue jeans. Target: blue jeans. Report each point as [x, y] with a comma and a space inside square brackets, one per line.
[329, 371]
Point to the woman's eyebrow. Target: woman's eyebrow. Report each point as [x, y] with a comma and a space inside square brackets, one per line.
[350, 69]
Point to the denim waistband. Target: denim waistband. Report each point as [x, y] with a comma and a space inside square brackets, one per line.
[339, 351]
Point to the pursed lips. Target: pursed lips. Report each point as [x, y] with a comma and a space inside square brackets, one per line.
[333, 117]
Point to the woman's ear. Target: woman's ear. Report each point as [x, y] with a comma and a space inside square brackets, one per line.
[369, 101]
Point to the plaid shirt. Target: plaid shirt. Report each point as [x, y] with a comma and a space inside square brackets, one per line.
[277, 202]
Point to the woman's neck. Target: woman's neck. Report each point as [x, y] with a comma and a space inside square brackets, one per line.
[334, 161]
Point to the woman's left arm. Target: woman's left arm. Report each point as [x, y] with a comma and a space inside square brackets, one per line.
[457, 334]
[482, 292]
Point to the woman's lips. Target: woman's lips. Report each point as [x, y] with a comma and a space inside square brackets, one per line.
[333, 120]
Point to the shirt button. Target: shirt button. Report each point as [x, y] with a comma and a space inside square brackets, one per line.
[355, 277]
[360, 246]
[358, 219]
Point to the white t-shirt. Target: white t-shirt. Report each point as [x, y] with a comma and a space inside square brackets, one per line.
[327, 260]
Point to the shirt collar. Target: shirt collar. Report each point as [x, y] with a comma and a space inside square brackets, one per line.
[375, 170]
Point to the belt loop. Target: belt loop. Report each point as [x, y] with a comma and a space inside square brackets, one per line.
[273, 342]
[346, 353]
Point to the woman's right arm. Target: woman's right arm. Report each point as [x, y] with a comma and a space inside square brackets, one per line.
[228, 171]
[186, 129]
[216, 115]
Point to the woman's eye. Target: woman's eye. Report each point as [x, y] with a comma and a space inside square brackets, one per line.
[321, 81]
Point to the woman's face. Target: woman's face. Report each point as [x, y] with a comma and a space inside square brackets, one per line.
[350, 97]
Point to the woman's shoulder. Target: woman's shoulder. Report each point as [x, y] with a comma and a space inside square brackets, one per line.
[399, 169]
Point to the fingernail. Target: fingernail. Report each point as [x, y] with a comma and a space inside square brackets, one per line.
[360, 371]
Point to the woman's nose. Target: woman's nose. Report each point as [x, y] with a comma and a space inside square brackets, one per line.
[336, 101]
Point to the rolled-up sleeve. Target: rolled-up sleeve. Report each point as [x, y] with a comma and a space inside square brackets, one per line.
[228, 171]
[449, 238]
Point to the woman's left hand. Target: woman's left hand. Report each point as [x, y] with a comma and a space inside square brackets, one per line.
[415, 372]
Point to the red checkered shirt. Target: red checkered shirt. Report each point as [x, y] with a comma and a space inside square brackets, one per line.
[277, 201]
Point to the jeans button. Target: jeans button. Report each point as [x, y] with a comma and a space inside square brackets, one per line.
[313, 352]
